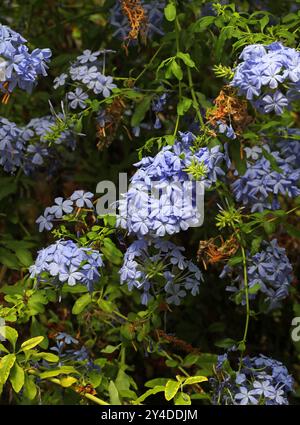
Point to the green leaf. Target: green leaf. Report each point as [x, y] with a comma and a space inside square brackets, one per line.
[110, 349]
[225, 343]
[140, 111]
[272, 160]
[10, 334]
[152, 391]
[17, 377]
[182, 399]
[81, 303]
[203, 23]
[49, 357]
[195, 380]
[24, 256]
[292, 230]
[186, 59]
[156, 382]
[30, 389]
[111, 252]
[171, 389]
[113, 394]
[184, 105]
[233, 261]
[67, 381]
[263, 22]
[7, 258]
[176, 70]
[64, 370]
[6, 363]
[170, 12]
[8, 186]
[31, 343]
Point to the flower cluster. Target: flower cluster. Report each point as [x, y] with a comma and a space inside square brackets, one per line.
[157, 266]
[18, 66]
[261, 380]
[269, 76]
[27, 147]
[262, 183]
[85, 72]
[163, 197]
[79, 199]
[66, 262]
[154, 17]
[269, 271]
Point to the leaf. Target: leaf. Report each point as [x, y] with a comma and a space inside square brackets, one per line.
[81, 303]
[111, 252]
[49, 357]
[184, 105]
[195, 380]
[64, 370]
[30, 389]
[182, 399]
[17, 377]
[170, 12]
[235, 260]
[8, 186]
[152, 391]
[176, 70]
[263, 22]
[203, 23]
[113, 394]
[272, 160]
[31, 343]
[6, 363]
[225, 343]
[156, 382]
[67, 381]
[10, 334]
[24, 256]
[186, 59]
[140, 111]
[8, 259]
[110, 349]
[171, 389]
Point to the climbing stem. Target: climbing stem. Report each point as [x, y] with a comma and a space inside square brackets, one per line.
[195, 101]
[246, 285]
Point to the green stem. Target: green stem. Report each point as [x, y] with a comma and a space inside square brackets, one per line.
[149, 64]
[244, 340]
[195, 101]
[177, 29]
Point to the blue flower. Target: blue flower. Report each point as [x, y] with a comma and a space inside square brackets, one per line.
[77, 98]
[60, 80]
[45, 221]
[246, 396]
[156, 266]
[270, 269]
[82, 198]
[162, 197]
[65, 261]
[264, 69]
[62, 207]
[19, 67]
[275, 102]
[88, 56]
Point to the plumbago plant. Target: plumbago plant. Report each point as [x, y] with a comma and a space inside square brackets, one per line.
[160, 301]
